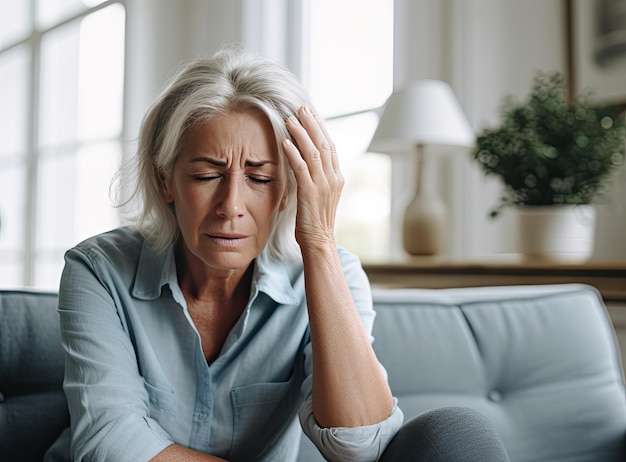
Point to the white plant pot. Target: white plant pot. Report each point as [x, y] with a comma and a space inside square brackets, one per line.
[563, 233]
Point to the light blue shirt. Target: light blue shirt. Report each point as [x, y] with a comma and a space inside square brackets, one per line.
[137, 381]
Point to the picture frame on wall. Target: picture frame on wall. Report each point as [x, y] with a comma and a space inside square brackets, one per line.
[596, 50]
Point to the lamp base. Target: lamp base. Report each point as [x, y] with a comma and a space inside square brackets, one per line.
[424, 225]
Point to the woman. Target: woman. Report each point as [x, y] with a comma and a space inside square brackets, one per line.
[206, 329]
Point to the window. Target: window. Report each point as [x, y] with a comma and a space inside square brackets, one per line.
[61, 83]
[350, 75]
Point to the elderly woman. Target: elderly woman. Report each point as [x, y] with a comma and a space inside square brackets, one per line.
[227, 311]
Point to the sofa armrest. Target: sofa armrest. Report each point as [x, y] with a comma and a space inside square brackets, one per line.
[33, 409]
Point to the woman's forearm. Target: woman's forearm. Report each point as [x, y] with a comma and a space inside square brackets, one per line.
[177, 453]
[349, 388]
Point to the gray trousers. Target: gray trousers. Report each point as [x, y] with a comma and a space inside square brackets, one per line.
[450, 434]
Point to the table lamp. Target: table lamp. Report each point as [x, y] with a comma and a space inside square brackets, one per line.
[424, 113]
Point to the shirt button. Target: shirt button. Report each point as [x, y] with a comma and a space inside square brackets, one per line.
[201, 416]
[495, 396]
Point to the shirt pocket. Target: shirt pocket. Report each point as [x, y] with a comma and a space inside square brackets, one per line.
[260, 411]
[162, 404]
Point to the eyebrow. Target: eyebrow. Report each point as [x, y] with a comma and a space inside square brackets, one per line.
[223, 163]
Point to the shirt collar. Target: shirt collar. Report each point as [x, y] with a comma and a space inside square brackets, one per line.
[156, 269]
[274, 278]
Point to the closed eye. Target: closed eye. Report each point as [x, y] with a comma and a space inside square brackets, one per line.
[203, 178]
[260, 179]
[255, 179]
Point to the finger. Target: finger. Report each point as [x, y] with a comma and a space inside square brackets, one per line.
[334, 157]
[307, 149]
[297, 163]
[316, 130]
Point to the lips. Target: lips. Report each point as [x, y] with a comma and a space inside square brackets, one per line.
[227, 236]
[227, 239]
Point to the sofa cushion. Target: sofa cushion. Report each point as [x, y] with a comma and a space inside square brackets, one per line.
[541, 362]
[33, 409]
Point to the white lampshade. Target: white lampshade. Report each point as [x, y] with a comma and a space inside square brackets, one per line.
[425, 112]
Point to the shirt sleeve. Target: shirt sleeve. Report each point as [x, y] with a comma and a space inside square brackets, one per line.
[358, 444]
[365, 443]
[106, 394]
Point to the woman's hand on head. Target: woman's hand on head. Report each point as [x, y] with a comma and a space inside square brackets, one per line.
[314, 161]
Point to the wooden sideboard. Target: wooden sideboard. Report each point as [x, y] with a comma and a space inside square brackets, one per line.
[609, 277]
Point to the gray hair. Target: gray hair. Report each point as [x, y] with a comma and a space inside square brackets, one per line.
[231, 80]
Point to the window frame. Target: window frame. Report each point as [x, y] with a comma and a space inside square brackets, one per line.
[33, 152]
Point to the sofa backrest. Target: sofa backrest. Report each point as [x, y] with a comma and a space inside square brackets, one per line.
[540, 362]
[33, 409]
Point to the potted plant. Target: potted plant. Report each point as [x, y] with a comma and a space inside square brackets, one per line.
[554, 156]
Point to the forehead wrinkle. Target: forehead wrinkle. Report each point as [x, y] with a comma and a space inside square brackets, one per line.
[234, 138]
[209, 160]
[260, 163]
[224, 163]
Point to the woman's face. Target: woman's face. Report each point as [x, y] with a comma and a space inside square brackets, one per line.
[227, 187]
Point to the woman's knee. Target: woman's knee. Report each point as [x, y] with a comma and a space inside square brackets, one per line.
[454, 434]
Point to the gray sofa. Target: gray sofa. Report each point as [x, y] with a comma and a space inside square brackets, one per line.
[540, 361]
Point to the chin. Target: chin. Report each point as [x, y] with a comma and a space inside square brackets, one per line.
[232, 262]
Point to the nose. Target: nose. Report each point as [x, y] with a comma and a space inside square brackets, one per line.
[231, 201]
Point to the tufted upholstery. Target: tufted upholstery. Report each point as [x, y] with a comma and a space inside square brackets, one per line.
[33, 410]
[540, 361]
